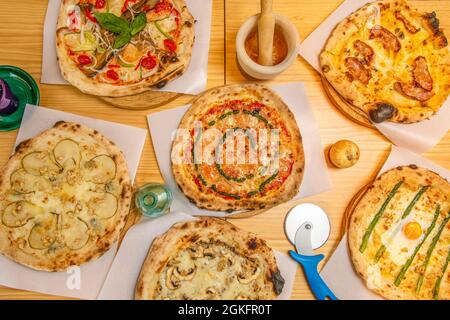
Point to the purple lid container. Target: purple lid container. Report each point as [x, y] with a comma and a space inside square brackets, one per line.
[8, 102]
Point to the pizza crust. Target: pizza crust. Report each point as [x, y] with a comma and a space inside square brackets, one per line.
[379, 277]
[94, 248]
[180, 235]
[77, 78]
[408, 110]
[212, 202]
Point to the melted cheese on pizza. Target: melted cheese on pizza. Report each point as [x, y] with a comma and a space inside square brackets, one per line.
[211, 271]
[404, 238]
[96, 47]
[393, 57]
[60, 199]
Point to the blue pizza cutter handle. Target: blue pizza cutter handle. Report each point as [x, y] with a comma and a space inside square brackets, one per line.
[316, 283]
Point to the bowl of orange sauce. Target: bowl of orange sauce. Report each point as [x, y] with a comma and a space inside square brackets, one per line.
[284, 52]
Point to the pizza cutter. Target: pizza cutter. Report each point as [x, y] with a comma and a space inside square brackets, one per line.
[308, 228]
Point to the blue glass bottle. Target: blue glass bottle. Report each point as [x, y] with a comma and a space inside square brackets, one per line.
[153, 199]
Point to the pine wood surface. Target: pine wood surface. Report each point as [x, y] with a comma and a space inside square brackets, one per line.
[21, 37]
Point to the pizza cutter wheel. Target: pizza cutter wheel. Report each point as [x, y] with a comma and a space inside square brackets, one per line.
[307, 228]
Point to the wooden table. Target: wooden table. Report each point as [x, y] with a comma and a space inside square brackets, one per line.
[21, 36]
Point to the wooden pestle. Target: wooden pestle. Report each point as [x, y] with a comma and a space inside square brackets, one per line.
[266, 29]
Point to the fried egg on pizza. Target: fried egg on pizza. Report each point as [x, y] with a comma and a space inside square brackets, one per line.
[399, 235]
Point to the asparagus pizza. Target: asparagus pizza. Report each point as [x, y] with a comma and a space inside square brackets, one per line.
[399, 235]
[123, 47]
[390, 61]
[64, 198]
[209, 259]
[238, 147]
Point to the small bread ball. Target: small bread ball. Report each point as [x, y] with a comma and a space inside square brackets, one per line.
[344, 154]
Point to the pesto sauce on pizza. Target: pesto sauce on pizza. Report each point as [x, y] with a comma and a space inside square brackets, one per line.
[242, 148]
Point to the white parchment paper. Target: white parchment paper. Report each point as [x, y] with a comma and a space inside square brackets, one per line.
[338, 273]
[122, 277]
[193, 81]
[78, 282]
[418, 137]
[315, 180]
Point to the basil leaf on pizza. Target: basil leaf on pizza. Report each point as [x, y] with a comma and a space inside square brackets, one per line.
[122, 40]
[123, 48]
[238, 148]
[112, 23]
[138, 24]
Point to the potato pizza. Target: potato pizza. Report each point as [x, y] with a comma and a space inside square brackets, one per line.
[238, 147]
[390, 61]
[123, 47]
[209, 259]
[64, 198]
[399, 235]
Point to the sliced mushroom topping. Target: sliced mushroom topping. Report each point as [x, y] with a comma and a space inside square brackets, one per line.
[245, 279]
[212, 293]
[387, 38]
[421, 74]
[171, 283]
[356, 70]
[209, 252]
[211, 290]
[184, 275]
[408, 25]
[364, 49]
[413, 91]
[196, 252]
[225, 261]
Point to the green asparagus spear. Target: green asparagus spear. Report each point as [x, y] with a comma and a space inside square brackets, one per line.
[408, 263]
[439, 279]
[405, 214]
[429, 253]
[377, 217]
